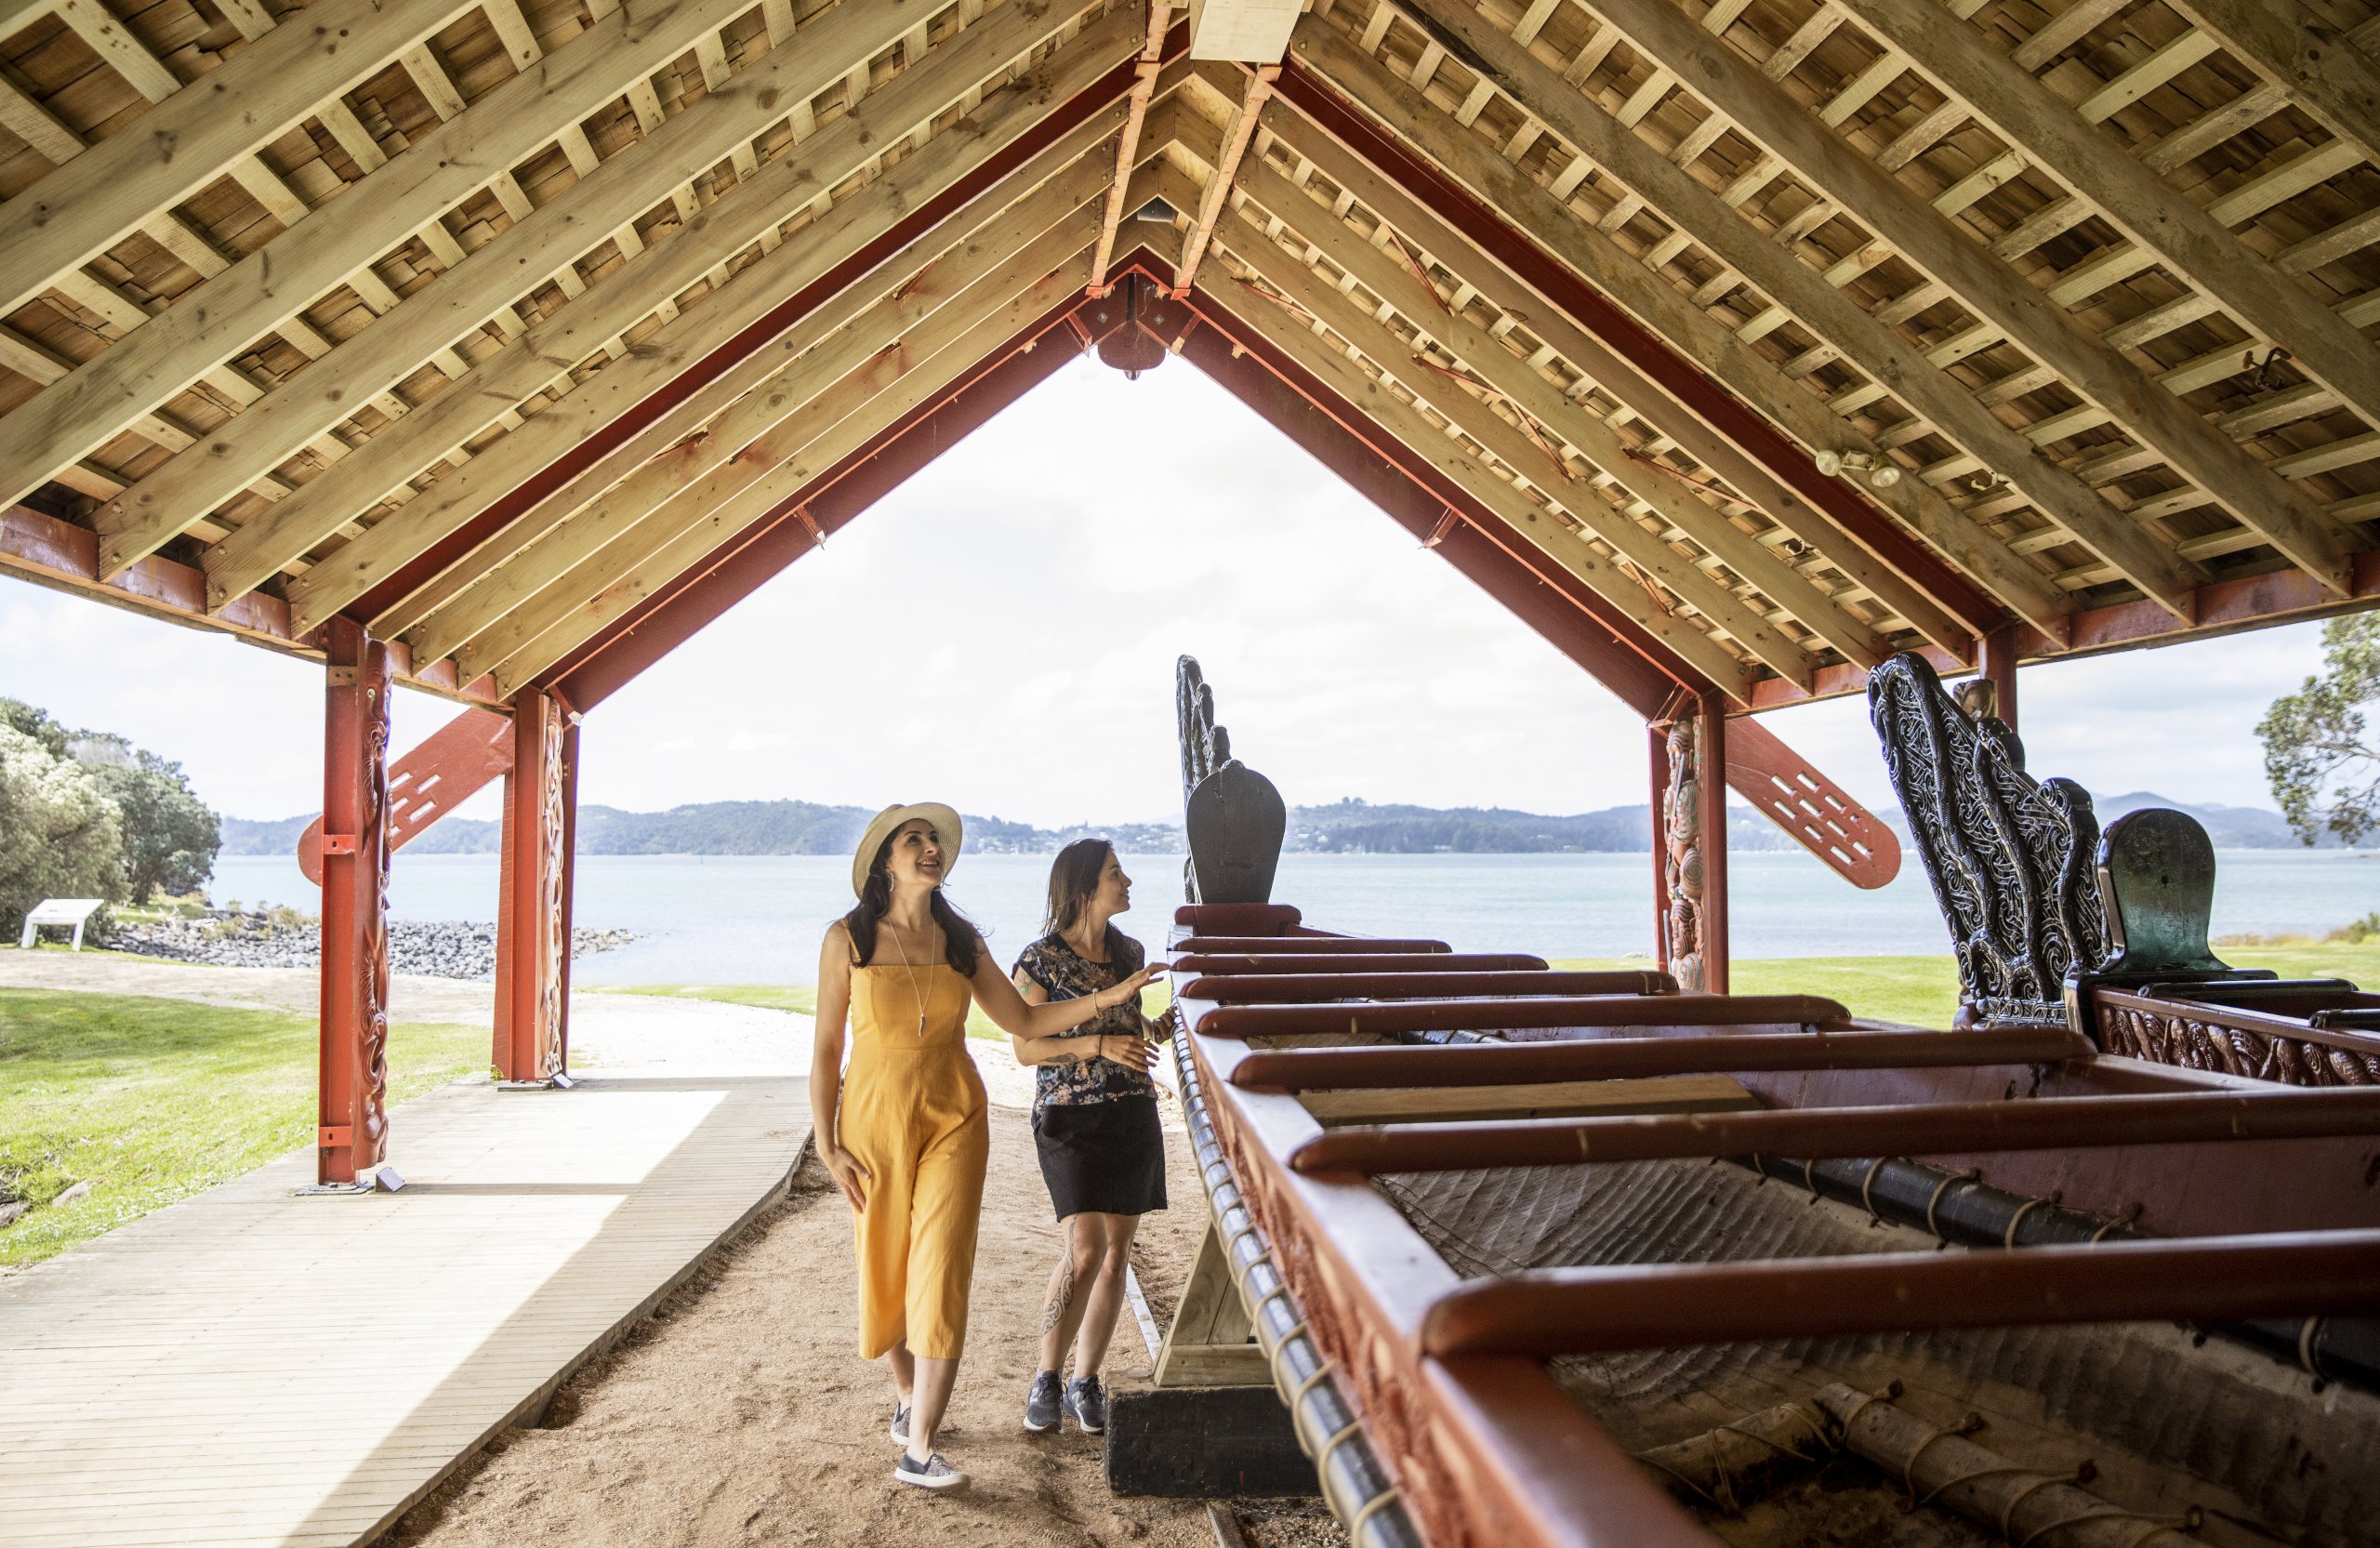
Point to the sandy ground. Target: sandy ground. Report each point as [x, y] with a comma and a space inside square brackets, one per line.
[742, 1412]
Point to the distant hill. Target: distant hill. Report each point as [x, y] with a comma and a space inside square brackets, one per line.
[715, 827]
[1344, 827]
[2229, 826]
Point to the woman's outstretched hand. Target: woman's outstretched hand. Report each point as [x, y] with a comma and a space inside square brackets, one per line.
[849, 1175]
[1126, 1049]
[1139, 981]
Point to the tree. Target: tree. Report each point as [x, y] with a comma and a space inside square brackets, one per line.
[59, 836]
[2319, 754]
[170, 838]
[36, 724]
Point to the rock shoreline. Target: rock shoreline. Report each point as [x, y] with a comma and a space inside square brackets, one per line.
[440, 949]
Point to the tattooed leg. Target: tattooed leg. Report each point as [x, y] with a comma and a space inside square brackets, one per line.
[1061, 1294]
[1062, 1310]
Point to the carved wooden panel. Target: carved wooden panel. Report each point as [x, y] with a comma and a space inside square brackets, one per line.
[1683, 868]
[370, 1142]
[2194, 1043]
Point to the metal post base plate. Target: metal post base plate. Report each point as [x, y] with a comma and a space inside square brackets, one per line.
[559, 1081]
[380, 1179]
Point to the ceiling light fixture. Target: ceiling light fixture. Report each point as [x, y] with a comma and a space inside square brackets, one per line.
[1882, 474]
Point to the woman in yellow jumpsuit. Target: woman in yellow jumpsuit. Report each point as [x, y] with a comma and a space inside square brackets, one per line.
[903, 1129]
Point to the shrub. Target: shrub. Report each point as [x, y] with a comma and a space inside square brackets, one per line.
[2359, 931]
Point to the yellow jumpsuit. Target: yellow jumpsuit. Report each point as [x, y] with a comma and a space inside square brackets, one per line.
[912, 1112]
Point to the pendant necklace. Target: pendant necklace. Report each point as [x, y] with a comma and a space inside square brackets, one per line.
[916, 995]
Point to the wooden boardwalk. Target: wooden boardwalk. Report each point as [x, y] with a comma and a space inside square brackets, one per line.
[253, 1367]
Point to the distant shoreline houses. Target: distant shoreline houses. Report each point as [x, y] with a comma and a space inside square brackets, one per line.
[763, 827]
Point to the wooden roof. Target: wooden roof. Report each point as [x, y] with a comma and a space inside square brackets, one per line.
[499, 327]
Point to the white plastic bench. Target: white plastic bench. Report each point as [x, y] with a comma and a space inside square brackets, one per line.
[61, 913]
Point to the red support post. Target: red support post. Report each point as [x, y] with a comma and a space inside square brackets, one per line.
[352, 1124]
[531, 931]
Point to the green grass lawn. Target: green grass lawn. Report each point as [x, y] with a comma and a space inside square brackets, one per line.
[1923, 991]
[151, 1100]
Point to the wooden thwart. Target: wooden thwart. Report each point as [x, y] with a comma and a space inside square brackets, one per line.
[1673, 1094]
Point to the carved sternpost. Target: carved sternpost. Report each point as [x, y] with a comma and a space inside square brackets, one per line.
[352, 1129]
[1232, 816]
[2011, 857]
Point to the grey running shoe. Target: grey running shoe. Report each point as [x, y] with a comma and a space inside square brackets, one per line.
[1042, 1402]
[1086, 1400]
[900, 1431]
[932, 1472]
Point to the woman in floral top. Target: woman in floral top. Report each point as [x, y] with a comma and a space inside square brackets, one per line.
[1094, 1124]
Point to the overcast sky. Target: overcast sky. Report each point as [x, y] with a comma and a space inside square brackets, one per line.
[1000, 634]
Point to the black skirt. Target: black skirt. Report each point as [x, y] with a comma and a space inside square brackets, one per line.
[1107, 1157]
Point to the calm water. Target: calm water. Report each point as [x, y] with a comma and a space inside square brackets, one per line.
[758, 920]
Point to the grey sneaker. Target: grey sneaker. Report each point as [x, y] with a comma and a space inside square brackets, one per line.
[900, 1430]
[1086, 1400]
[1042, 1402]
[932, 1472]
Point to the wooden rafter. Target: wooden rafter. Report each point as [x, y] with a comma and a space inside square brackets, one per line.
[1571, 516]
[2253, 494]
[835, 154]
[2328, 76]
[188, 141]
[1128, 147]
[1545, 410]
[619, 582]
[1289, 327]
[1226, 162]
[744, 447]
[1881, 354]
[266, 291]
[926, 263]
[1597, 362]
[612, 195]
[1549, 221]
[2188, 240]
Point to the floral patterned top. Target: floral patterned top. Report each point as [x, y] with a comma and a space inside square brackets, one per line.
[1064, 973]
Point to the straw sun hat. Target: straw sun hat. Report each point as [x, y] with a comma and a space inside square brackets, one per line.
[947, 827]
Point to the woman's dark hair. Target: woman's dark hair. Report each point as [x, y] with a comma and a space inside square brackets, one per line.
[1074, 879]
[960, 940]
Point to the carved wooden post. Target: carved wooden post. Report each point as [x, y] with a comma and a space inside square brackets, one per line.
[1996, 662]
[563, 935]
[1712, 718]
[353, 1128]
[1657, 738]
[1694, 836]
[532, 934]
